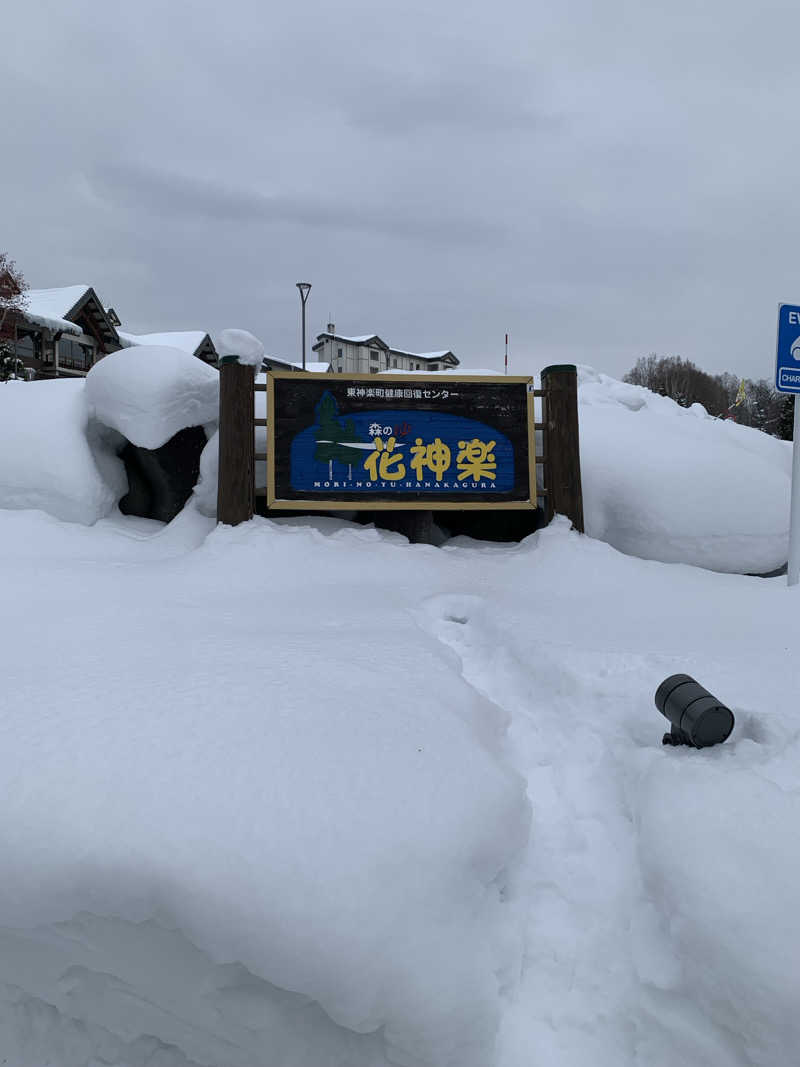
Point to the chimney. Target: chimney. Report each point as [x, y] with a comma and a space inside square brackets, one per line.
[331, 327]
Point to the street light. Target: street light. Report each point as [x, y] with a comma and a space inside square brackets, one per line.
[305, 288]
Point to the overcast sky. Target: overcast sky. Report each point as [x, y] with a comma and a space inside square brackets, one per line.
[601, 179]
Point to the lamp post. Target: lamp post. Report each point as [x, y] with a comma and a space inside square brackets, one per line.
[305, 288]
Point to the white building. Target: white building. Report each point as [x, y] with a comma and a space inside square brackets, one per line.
[368, 354]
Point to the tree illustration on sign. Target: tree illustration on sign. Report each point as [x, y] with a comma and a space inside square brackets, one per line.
[333, 438]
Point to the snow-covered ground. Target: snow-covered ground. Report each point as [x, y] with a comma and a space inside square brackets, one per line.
[299, 793]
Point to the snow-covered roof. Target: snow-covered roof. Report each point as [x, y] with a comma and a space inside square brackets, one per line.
[454, 372]
[50, 307]
[422, 355]
[362, 339]
[186, 340]
[313, 366]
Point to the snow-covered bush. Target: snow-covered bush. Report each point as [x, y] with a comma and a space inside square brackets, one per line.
[59, 439]
[150, 392]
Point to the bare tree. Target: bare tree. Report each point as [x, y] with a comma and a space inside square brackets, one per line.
[13, 301]
[679, 379]
[645, 372]
[751, 403]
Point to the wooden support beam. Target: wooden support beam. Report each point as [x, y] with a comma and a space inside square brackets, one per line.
[562, 468]
[235, 497]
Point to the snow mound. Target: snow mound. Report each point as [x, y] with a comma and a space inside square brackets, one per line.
[243, 344]
[674, 484]
[149, 393]
[205, 492]
[49, 458]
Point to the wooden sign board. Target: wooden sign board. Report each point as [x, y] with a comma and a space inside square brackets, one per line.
[422, 441]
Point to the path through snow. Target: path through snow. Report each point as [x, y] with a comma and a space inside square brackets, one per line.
[601, 982]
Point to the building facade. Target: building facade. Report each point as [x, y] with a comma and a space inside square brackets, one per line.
[368, 354]
[60, 333]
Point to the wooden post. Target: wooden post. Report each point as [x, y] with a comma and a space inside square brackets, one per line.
[562, 467]
[235, 490]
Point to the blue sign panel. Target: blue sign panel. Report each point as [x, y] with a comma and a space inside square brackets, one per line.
[787, 372]
[398, 449]
[402, 442]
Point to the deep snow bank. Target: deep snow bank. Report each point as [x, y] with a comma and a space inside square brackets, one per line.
[302, 784]
[673, 484]
[49, 458]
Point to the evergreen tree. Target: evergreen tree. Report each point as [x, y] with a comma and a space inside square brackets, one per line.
[11, 366]
[786, 424]
[328, 432]
[332, 437]
[345, 454]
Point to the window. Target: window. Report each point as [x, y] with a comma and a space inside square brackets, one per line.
[29, 344]
[373, 355]
[339, 353]
[74, 355]
[434, 366]
[394, 362]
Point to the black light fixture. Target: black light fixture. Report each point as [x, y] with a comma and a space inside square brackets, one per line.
[698, 718]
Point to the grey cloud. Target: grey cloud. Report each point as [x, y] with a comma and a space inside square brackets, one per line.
[601, 180]
[489, 101]
[169, 194]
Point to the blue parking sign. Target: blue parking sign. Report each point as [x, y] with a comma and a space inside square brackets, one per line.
[787, 369]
